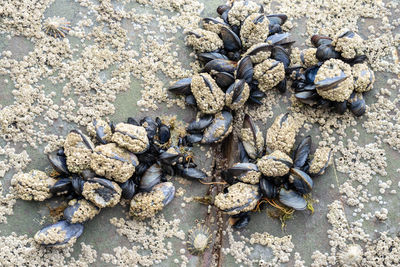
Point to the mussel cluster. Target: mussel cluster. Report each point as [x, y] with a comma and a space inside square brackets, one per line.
[270, 171]
[333, 74]
[244, 53]
[121, 161]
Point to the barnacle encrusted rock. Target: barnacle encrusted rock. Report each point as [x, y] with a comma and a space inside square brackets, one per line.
[364, 78]
[332, 69]
[275, 164]
[322, 159]
[82, 211]
[146, 204]
[132, 137]
[254, 30]
[113, 162]
[348, 43]
[210, 98]
[78, 149]
[240, 197]
[282, 133]
[240, 10]
[93, 127]
[101, 195]
[268, 74]
[34, 185]
[203, 40]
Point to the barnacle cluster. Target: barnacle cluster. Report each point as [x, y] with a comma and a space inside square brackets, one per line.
[129, 160]
[333, 74]
[244, 53]
[270, 172]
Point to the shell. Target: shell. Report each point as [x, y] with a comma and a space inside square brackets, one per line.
[292, 199]
[146, 204]
[245, 172]
[34, 185]
[58, 162]
[269, 73]
[80, 211]
[59, 235]
[334, 80]
[56, 26]
[131, 137]
[254, 30]
[210, 98]
[275, 164]
[199, 238]
[322, 159]
[237, 198]
[78, 148]
[302, 182]
[151, 177]
[282, 133]
[113, 162]
[101, 192]
[219, 128]
[101, 130]
[237, 94]
[203, 40]
[252, 138]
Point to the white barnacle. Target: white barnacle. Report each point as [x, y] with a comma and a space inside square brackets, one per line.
[198, 239]
[56, 27]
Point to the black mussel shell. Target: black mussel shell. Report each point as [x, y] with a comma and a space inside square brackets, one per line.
[245, 69]
[243, 157]
[151, 126]
[181, 87]
[207, 57]
[62, 185]
[231, 41]
[277, 19]
[191, 173]
[164, 134]
[190, 100]
[129, 189]
[242, 221]
[59, 163]
[220, 65]
[302, 182]
[150, 178]
[292, 199]
[213, 132]
[356, 104]
[302, 152]
[223, 8]
[200, 124]
[268, 189]
[318, 40]
[326, 52]
[224, 79]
